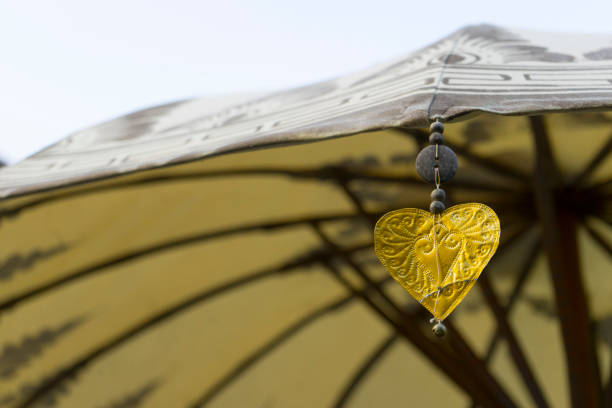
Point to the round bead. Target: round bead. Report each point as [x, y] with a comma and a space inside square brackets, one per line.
[436, 138]
[436, 127]
[438, 195]
[437, 207]
[439, 329]
[426, 163]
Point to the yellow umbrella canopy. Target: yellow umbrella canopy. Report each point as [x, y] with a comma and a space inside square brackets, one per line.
[135, 274]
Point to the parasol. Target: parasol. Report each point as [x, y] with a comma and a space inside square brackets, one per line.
[133, 273]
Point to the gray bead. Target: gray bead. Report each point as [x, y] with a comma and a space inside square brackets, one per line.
[436, 138]
[437, 207]
[439, 329]
[446, 163]
[438, 195]
[436, 127]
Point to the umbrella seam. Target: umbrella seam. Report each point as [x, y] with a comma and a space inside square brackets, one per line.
[439, 80]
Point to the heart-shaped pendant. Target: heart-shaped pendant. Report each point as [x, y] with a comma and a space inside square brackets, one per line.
[437, 258]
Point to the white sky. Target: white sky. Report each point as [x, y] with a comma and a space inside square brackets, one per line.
[66, 65]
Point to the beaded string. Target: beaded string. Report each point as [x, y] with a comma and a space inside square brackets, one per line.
[437, 207]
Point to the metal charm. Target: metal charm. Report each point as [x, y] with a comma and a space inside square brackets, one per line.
[437, 255]
[437, 258]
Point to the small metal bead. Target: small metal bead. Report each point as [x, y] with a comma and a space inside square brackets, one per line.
[439, 329]
[436, 127]
[438, 195]
[437, 207]
[436, 138]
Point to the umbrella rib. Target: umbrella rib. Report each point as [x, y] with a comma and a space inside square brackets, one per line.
[508, 240]
[590, 168]
[332, 173]
[136, 254]
[477, 366]
[524, 272]
[607, 220]
[197, 299]
[598, 238]
[356, 202]
[444, 361]
[518, 356]
[481, 375]
[271, 345]
[560, 244]
[459, 342]
[364, 368]
[600, 187]
[501, 169]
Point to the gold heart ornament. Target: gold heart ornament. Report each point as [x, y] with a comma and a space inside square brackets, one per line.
[437, 258]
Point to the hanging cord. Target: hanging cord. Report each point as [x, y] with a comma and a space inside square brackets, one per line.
[436, 219]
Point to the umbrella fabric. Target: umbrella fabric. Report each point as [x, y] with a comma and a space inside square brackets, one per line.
[478, 68]
[239, 280]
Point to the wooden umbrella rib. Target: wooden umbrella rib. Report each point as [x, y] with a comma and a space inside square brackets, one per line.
[518, 356]
[600, 188]
[447, 363]
[197, 299]
[560, 244]
[507, 241]
[476, 366]
[590, 168]
[489, 163]
[333, 247]
[598, 238]
[379, 351]
[523, 274]
[358, 205]
[605, 218]
[482, 378]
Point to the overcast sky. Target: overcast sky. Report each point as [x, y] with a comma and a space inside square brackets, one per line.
[66, 65]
